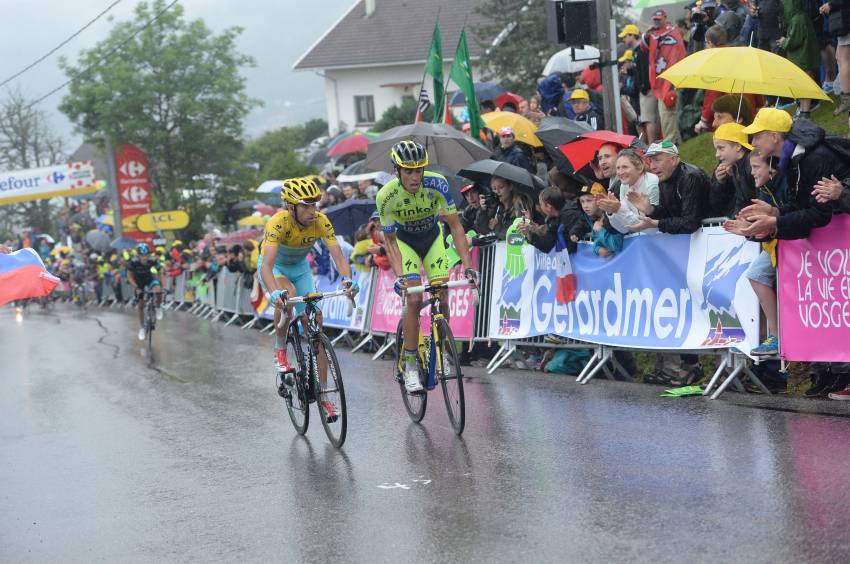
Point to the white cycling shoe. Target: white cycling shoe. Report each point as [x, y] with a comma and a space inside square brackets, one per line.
[142, 334]
[411, 380]
[159, 314]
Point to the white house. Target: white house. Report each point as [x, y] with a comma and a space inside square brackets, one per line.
[375, 55]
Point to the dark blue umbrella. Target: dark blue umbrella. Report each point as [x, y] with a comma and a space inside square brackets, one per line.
[123, 243]
[483, 91]
[349, 215]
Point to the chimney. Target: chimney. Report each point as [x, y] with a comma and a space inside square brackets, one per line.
[370, 7]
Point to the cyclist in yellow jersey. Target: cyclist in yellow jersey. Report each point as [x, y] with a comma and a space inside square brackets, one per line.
[282, 266]
[408, 207]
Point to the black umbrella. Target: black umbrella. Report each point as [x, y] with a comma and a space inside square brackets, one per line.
[483, 91]
[446, 146]
[555, 130]
[123, 243]
[318, 157]
[483, 171]
[349, 215]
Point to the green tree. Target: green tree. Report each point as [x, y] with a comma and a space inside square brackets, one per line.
[26, 141]
[315, 128]
[401, 114]
[175, 90]
[522, 46]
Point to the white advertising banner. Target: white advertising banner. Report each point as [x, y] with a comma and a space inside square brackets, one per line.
[72, 179]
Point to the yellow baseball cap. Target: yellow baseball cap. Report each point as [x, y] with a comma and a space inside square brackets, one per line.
[769, 119]
[628, 55]
[579, 94]
[630, 29]
[733, 132]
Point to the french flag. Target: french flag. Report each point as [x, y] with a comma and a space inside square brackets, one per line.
[23, 275]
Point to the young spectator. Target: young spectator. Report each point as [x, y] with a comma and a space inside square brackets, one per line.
[469, 215]
[634, 178]
[762, 271]
[511, 153]
[534, 112]
[580, 102]
[665, 48]
[800, 44]
[683, 193]
[605, 242]
[804, 159]
[730, 109]
[732, 188]
[559, 213]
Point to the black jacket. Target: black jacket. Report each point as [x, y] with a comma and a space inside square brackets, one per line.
[683, 200]
[517, 157]
[570, 217]
[730, 197]
[809, 159]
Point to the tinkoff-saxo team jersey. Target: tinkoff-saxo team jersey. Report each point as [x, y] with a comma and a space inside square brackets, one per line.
[293, 241]
[413, 217]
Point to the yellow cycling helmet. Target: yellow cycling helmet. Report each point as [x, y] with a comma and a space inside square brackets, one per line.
[300, 191]
[408, 154]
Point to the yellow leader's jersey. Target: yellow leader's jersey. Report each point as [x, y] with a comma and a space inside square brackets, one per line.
[293, 241]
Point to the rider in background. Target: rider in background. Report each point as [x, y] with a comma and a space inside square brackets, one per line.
[142, 275]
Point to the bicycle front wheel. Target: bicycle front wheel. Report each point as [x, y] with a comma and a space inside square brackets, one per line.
[330, 398]
[297, 402]
[451, 379]
[415, 404]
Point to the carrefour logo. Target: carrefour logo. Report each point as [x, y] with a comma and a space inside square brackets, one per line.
[56, 177]
[133, 169]
[134, 194]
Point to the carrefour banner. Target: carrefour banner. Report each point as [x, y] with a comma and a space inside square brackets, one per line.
[72, 179]
[814, 291]
[338, 312]
[661, 292]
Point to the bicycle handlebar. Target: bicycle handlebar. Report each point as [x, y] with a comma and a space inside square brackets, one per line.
[315, 296]
[437, 287]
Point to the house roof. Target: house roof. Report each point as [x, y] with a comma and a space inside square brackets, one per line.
[398, 31]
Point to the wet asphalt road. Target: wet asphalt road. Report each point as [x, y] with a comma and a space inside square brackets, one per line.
[106, 458]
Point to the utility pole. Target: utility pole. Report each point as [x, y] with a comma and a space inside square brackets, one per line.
[118, 228]
[610, 86]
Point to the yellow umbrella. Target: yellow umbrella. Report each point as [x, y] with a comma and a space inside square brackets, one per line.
[743, 70]
[251, 220]
[523, 127]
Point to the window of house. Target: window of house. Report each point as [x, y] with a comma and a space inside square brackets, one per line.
[364, 109]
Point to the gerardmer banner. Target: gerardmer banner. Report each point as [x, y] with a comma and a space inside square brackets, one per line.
[661, 292]
[814, 294]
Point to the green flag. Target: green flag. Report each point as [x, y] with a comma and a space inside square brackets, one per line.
[462, 76]
[434, 67]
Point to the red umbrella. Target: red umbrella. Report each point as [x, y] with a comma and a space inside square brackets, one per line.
[582, 149]
[356, 143]
[508, 98]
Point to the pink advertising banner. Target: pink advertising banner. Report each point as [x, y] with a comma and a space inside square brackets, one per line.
[814, 294]
[386, 307]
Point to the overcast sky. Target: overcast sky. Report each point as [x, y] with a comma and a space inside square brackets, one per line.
[276, 33]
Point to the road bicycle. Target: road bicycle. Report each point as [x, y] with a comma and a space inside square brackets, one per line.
[148, 318]
[310, 354]
[437, 359]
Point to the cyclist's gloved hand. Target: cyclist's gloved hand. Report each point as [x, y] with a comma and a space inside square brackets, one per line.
[350, 285]
[399, 285]
[281, 295]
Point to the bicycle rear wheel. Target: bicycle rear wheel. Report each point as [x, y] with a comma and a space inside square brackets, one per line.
[332, 391]
[149, 326]
[451, 379]
[415, 404]
[297, 403]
